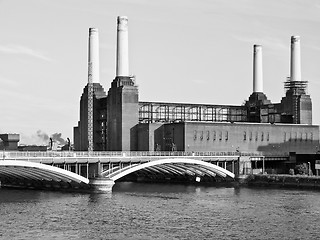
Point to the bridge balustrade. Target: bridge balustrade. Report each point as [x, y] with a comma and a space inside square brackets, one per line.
[67, 154]
[126, 154]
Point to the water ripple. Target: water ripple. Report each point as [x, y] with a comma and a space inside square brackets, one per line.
[159, 211]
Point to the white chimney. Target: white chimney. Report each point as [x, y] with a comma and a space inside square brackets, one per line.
[122, 47]
[93, 56]
[295, 70]
[257, 69]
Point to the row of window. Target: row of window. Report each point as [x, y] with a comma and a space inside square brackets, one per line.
[255, 136]
[215, 135]
[297, 136]
[251, 136]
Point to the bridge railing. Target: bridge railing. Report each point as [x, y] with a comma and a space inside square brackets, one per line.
[64, 154]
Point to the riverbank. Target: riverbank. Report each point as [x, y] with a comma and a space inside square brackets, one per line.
[285, 181]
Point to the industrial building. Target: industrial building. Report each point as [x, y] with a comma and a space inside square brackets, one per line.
[115, 120]
[9, 141]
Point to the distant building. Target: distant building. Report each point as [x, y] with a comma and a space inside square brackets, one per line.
[32, 148]
[122, 123]
[9, 141]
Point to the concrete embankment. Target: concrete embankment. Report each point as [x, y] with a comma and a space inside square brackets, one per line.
[285, 181]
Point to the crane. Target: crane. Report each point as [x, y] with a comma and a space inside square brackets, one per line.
[90, 108]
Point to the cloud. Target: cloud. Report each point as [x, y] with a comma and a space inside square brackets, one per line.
[106, 46]
[315, 47]
[199, 81]
[270, 43]
[314, 82]
[8, 82]
[18, 49]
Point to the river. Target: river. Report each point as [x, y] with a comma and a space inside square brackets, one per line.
[161, 211]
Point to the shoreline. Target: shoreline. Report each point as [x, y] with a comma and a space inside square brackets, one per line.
[281, 181]
[286, 181]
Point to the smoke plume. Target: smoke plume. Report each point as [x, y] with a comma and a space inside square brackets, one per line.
[56, 137]
[43, 136]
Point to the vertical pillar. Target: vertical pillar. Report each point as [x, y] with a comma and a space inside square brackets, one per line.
[77, 172]
[99, 168]
[257, 69]
[122, 68]
[93, 56]
[295, 64]
[87, 176]
[233, 166]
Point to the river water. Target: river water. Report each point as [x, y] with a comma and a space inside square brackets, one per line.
[161, 211]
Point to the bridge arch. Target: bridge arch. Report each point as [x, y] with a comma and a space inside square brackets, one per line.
[31, 171]
[180, 166]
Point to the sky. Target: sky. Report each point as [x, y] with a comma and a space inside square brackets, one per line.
[186, 51]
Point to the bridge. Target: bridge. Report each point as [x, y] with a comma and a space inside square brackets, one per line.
[100, 170]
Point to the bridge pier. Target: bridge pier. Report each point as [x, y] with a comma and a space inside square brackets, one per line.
[101, 184]
[96, 181]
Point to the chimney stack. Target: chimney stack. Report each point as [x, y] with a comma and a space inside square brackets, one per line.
[257, 69]
[122, 47]
[93, 56]
[295, 70]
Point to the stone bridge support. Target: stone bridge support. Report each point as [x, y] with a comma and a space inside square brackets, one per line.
[96, 181]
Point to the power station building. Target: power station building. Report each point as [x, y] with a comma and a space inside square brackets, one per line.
[117, 121]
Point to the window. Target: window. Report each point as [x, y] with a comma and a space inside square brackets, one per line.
[220, 135]
[208, 135]
[306, 136]
[250, 136]
[195, 134]
[290, 137]
[227, 135]
[244, 135]
[267, 136]
[256, 136]
[214, 135]
[201, 135]
[262, 135]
